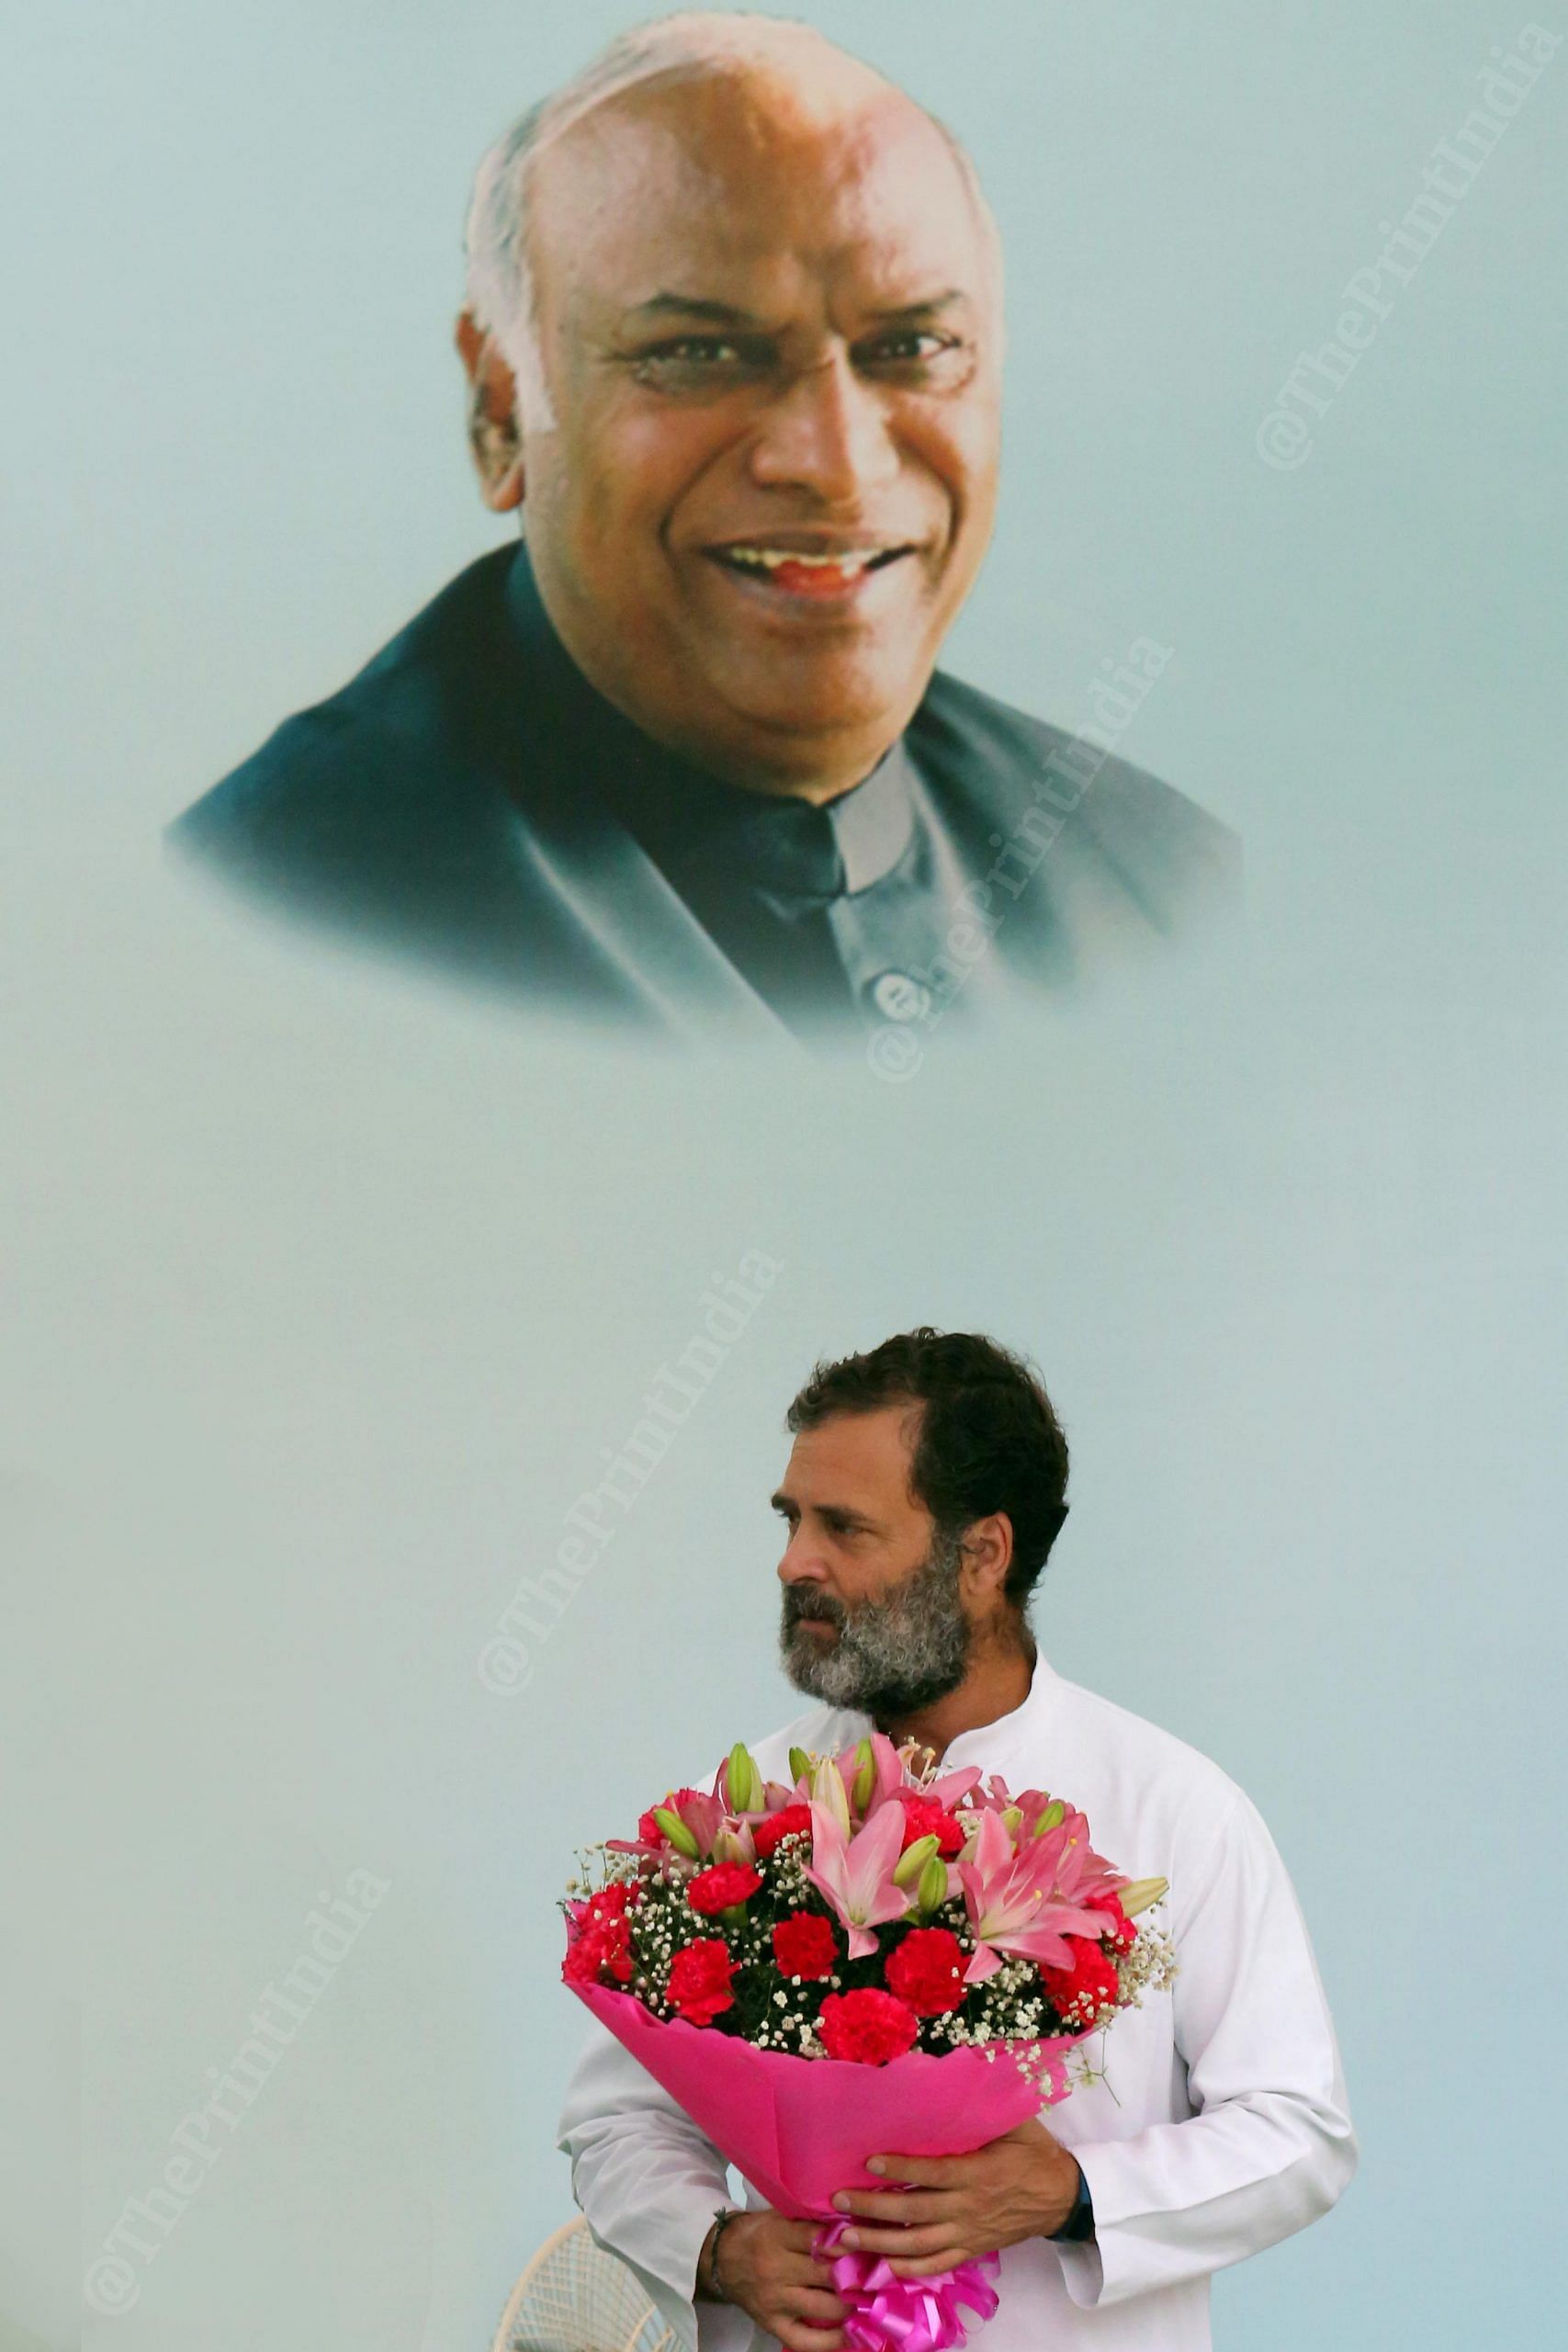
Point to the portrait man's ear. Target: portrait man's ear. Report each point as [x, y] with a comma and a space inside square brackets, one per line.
[493, 416]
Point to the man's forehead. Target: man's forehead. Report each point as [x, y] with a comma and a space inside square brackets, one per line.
[706, 99]
[855, 1451]
[733, 181]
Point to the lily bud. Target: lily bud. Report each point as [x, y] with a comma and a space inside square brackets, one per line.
[828, 1789]
[1142, 1894]
[912, 1861]
[799, 1764]
[932, 1892]
[1051, 1817]
[865, 1775]
[1011, 1816]
[744, 1781]
[676, 1829]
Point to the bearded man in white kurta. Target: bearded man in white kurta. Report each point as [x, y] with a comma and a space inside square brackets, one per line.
[925, 1486]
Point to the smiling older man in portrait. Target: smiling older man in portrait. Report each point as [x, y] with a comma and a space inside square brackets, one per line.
[682, 759]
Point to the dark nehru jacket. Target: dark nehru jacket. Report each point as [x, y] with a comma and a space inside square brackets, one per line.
[470, 799]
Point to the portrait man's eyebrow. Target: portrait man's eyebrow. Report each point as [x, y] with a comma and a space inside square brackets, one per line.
[681, 759]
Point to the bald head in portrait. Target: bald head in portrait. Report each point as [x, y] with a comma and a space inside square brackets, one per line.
[681, 757]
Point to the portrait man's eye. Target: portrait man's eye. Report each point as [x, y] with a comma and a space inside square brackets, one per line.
[693, 362]
[918, 355]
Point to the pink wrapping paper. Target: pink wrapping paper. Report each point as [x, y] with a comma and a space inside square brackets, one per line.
[801, 2128]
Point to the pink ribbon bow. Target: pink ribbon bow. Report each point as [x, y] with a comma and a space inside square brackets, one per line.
[893, 2314]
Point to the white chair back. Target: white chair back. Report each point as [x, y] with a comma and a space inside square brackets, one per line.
[574, 2297]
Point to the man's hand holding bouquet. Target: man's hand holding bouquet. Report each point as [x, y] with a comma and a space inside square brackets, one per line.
[875, 1958]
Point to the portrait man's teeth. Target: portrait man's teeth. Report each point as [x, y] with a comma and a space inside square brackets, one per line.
[785, 564]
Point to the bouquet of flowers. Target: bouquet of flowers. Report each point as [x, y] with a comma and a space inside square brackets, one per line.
[877, 1957]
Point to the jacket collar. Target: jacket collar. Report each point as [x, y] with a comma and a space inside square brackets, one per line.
[644, 936]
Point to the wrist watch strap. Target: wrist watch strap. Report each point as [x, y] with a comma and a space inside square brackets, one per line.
[1080, 2224]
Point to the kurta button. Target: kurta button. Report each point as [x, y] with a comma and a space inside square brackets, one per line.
[898, 998]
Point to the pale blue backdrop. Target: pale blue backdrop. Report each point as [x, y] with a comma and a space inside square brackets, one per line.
[327, 1292]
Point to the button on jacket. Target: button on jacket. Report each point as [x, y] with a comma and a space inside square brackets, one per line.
[1221, 2127]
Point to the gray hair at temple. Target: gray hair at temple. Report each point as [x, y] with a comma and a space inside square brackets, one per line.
[502, 292]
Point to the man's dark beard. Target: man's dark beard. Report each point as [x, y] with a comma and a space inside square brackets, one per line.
[893, 1656]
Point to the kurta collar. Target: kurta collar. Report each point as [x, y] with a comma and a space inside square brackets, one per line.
[993, 1744]
[690, 820]
[1002, 1745]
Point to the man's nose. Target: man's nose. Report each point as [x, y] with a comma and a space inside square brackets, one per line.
[800, 1564]
[826, 432]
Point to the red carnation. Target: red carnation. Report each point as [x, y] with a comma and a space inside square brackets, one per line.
[766, 1835]
[868, 2027]
[581, 1965]
[804, 1945]
[722, 1887]
[1078, 1994]
[927, 1970]
[699, 1980]
[610, 1902]
[1121, 1934]
[601, 1935]
[600, 1944]
[923, 1817]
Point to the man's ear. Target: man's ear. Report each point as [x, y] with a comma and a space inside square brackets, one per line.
[493, 436]
[987, 1554]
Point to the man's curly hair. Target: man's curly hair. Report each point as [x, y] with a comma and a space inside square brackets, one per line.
[990, 1440]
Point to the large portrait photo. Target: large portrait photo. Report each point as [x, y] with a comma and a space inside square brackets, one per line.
[783, 1286]
[733, 335]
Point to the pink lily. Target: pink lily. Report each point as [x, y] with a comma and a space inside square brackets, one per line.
[1022, 1900]
[856, 1874]
[1033, 1805]
[950, 1789]
[701, 1815]
[996, 1796]
[883, 1778]
[1082, 1875]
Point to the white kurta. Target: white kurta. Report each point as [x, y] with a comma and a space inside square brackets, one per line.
[1222, 2126]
